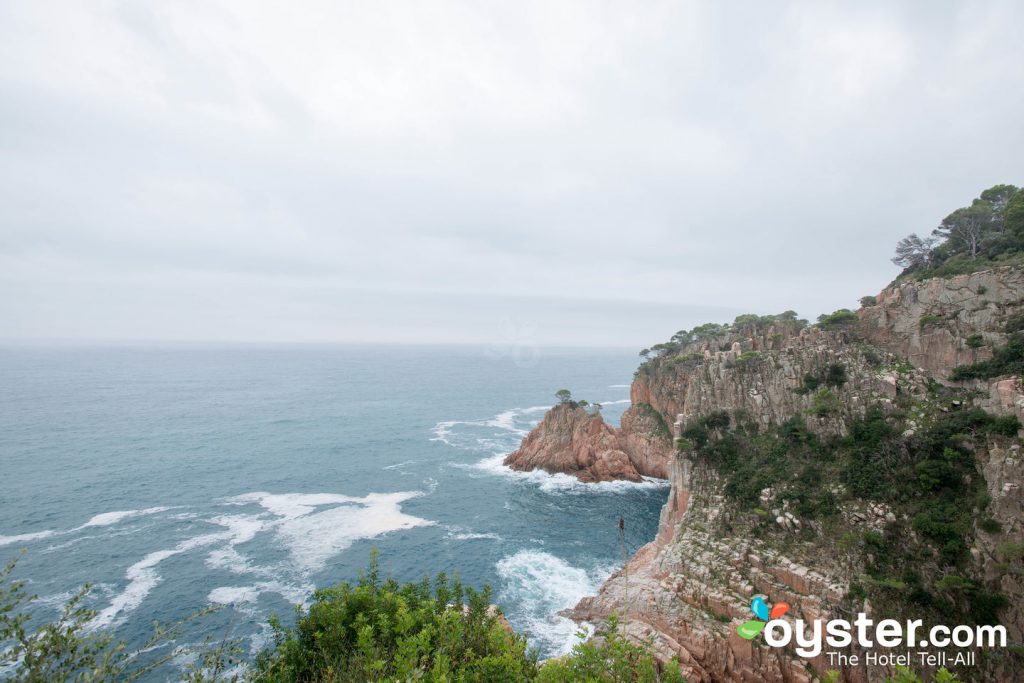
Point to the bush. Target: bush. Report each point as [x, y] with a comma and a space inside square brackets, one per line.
[928, 320]
[609, 658]
[975, 341]
[1014, 324]
[1007, 360]
[382, 631]
[866, 301]
[825, 403]
[1006, 425]
[842, 318]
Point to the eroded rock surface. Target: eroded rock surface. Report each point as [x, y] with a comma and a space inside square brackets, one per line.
[572, 440]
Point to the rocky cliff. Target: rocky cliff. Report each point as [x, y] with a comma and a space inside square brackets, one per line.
[805, 472]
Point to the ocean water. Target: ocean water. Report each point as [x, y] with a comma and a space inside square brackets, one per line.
[172, 478]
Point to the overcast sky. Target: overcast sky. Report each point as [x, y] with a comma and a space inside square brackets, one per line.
[522, 172]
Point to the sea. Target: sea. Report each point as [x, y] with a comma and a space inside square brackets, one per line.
[170, 478]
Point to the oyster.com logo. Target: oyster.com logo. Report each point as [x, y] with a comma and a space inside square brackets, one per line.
[764, 614]
[920, 644]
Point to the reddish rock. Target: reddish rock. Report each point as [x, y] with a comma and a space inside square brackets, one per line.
[573, 441]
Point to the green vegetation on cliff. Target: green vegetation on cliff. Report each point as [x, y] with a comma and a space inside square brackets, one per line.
[926, 480]
[1006, 360]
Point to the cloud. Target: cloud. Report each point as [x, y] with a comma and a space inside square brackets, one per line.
[407, 171]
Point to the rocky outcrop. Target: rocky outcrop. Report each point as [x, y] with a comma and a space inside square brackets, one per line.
[770, 386]
[929, 323]
[686, 591]
[572, 440]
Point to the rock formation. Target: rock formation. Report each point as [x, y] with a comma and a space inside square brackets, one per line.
[688, 589]
[572, 440]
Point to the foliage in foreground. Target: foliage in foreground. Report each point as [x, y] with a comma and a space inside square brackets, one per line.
[70, 649]
[372, 630]
[382, 631]
[432, 631]
[609, 658]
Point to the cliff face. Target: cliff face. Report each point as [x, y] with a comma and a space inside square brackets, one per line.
[929, 323]
[688, 589]
[571, 440]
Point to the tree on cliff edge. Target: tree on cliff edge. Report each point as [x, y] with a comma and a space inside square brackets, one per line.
[564, 396]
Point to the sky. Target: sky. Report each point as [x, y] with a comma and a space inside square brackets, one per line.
[505, 173]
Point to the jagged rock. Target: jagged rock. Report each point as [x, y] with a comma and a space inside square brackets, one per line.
[573, 441]
[897, 322]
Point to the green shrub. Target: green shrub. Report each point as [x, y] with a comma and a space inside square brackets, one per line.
[990, 526]
[866, 301]
[975, 341]
[383, 631]
[929, 319]
[1006, 425]
[825, 403]
[844, 317]
[610, 658]
[717, 420]
[1007, 360]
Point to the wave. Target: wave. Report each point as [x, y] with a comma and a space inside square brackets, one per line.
[508, 423]
[142, 579]
[102, 519]
[459, 533]
[312, 526]
[559, 482]
[108, 518]
[240, 595]
[399, 465]
[615, 403]
[618, 386]
[316, 527]
[25, 538]
[540, 585]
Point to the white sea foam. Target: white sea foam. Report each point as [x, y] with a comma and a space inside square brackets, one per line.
[399, 465]
[290, 505]
[618, 386]
[26, 538]
[615, 403]
[241, 595]
[508, 422]
[317, 526]
[102, 519]
[231, 595]
[459, 533]
[108, 518]
[312, 539]
[541, 585]
[442, 430]
[559, 482]
[143, 578]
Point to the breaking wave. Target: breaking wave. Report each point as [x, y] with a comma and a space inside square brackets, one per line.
[558, 482]
[540, 585]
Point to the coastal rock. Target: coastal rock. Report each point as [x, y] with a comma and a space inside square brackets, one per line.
[687, 590]
[928, 322]
[572, 440]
